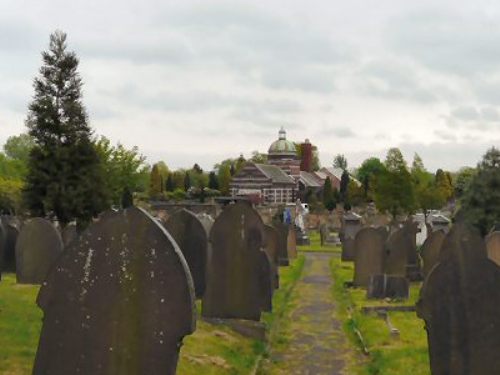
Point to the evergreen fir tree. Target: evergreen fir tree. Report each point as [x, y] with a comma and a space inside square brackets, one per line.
[212, 181]
[187, 181]
[344, 183]
[169, 185]
[155, 183]
[65, 177]
[127, 198]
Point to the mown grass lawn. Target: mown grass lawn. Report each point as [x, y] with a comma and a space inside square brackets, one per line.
[212, 349]
[388, 355]
[315, 245]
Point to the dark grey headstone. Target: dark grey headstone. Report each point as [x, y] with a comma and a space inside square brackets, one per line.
[266, 280]
[3, 239]
[283, 234]
[272, 251]
[192, 238]
[348, 250]
[430, 251]
[119, 301]
[8, 244]
[38, 246]
[388, 286]
[233, 284]
[460, 303]
[397, 250]
[369, 256]
[292, 243]
[493, 247]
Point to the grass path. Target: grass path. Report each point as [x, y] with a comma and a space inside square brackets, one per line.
[314, 342]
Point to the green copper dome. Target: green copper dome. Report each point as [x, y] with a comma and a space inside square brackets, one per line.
[282, 146]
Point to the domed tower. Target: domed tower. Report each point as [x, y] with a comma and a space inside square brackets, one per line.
[283, 154]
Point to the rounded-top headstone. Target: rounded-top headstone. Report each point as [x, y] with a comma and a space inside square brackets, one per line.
[38, 246]
[493, 246]
[69, 234]
[234, 285]
[272, 251]
[192, 238]
[430, 251]
[368, 256]
[118, 301]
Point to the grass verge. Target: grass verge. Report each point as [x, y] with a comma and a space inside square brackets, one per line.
[389, 355]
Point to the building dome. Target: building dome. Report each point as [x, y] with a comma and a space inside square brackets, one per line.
[282, 146]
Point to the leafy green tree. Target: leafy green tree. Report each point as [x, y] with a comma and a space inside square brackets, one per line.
[462, 180]
[339, 161]
[344, 184]
[367, 173]
[224, 177]
[155, 183]
[258, 157]
[19, 147]
[124, 169]
[394, 189]
[169, 185]
[187, 181]
[444, 183]
[329, 200]
[65, 175]
[127, 198]
[480, 204]
[213, 183]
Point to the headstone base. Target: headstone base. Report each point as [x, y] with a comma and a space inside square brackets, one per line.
[388, 286]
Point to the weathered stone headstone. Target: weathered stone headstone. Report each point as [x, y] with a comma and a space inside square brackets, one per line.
[69, 234]
[272, 251]
[233, 284]
[292, 243]
[396, 253]
[383, 231]
[3, 239]
[413, 269]
[8, 246]
[323, 233]
[192, 238]
[351, 225]
[118, 301]
[430, 251]
[348, 250]
[493, 247]
[38, 246]
[283, 233]
[460, 303]
[266, 281]
[388, 286]
[369, 256]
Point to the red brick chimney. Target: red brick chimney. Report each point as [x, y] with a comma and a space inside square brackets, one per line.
[307, 156]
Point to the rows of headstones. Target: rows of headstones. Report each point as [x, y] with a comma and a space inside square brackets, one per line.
[460, 295]
[119, 297]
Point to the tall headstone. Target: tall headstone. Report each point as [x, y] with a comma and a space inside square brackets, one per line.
[460, 303]
[396, 253]
[3, 239]
[292, 243]
[272, 251]
[369, 256]
[348, 250]
[192, 238]
[430, 251]
[8, 244]
[38, 246]
[234, 269]
[266, 281]
[413, 268]
[283, 234]
[493, 247]
[119, 301]
[351, 225]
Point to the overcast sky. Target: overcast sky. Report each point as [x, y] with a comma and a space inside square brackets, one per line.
[199, 81]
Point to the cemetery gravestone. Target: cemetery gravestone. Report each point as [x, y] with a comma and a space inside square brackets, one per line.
[283, 233]
[351, 225]
[430, 251]
[460, 303]
[292, 243]
[397, 249]
[3, 239]
[38, 246]
[369, 256]
[493, 247]
[9, 247]
[266, 282]
[118, 301]
[272, 251]
[388, 286]
[192, 238]
[348, 250]
[234, 270]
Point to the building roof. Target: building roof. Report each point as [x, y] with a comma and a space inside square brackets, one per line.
[275, 173]
[309, 180]
[337, 173]
[282, 146]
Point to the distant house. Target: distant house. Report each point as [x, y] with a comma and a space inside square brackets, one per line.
[335, 175]
[264, 183]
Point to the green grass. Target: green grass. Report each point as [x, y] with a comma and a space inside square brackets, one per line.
[212, 349]
[315, 245]
[403, 355]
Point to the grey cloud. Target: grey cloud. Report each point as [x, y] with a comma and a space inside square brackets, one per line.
[472, 117]
[445, 135]
[343, 132]
[466, 113]
[448, 41]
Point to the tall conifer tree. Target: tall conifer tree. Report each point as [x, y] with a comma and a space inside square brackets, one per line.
[65, 176]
